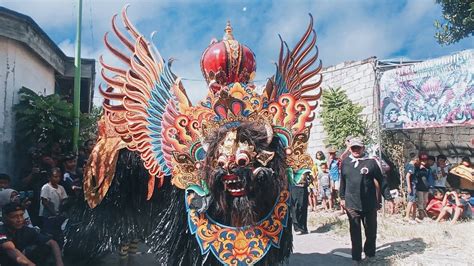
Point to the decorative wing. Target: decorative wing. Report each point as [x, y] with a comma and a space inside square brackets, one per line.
[142, 97]
[293, 71]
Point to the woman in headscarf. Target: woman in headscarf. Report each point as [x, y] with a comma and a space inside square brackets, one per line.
[10, 195]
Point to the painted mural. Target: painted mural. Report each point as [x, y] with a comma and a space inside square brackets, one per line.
[433, 93]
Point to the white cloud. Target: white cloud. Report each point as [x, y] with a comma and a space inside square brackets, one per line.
[347, 30]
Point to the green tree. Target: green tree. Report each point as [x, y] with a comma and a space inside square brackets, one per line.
[341, 117]
[459, 21]
[47, 119]
[42, 119]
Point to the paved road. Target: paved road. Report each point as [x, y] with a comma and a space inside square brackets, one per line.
[318, 249]
[310, 249]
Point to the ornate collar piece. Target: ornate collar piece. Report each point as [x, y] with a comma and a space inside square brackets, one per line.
[240, 245]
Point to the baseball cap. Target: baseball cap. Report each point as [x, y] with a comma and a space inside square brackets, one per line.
[331, 150]
[356, 142]
[12, 207]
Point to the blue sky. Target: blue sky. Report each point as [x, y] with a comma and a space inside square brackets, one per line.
[347, 29]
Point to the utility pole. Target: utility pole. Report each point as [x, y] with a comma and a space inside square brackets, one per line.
[77, 80]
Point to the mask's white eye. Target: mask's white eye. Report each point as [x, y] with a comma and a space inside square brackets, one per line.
[242, 159]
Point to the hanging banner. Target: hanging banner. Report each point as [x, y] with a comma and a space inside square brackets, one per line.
[433, 93]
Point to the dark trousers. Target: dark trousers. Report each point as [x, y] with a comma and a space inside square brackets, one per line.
[369, 220]
[299, 208]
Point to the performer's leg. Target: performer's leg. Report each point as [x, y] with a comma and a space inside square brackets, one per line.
[370, 226]
[304, 210]
[356, 236]
[124, 253]
[133, 247]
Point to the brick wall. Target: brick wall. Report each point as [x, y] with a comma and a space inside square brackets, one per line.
[358, 80]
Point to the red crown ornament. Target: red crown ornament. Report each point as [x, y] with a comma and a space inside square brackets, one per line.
[227, 61]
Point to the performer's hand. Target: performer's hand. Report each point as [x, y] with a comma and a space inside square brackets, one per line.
[409, 190]
[343, 203]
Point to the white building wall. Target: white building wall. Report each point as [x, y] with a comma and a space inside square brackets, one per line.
[19, 67]
[358, 80]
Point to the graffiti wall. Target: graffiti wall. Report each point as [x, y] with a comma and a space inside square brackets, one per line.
[433, 93]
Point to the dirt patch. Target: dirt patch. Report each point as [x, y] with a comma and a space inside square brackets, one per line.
[401, 243]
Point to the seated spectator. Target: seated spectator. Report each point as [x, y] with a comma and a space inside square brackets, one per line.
[52, 196]
[435, 204]
[8, 196]
[456, 207]
[5, 181]
[21, 245]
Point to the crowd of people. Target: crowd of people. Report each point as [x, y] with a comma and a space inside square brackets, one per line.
[33, 210]
[350, 184]
[434, 192]
[354, 182]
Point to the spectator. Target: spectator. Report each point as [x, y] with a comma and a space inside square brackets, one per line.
[313, 189]
[455, 207]
[71, 181]
[84, 156]
[56, 153]
[299, 202]
[410, 178]
[433, 170]
[52, 196]
[423, 176]
[38, 176]
[442, 170]
[9, 195]
[325, 188]
[5, 181]
[22, 245]
[334, 173]
[320, 159]
[435, 205]
[358, 195]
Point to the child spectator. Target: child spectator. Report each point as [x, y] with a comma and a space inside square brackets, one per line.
[433, 171]
[456, 207]
[320, 160]
[4, 181]
[325, 187]
[71, 181]
[52, 196]
[423, 176]
[313, 190]
[334, 174]
[410, 169]
[8, 196]
[442, 170]
[435, 205]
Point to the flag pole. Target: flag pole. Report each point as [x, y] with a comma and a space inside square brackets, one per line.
[77, 80]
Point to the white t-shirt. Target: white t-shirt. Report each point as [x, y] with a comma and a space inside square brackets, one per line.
[440, 179]
[53, 195]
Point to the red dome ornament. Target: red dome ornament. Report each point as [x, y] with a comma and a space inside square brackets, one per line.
[227, 61]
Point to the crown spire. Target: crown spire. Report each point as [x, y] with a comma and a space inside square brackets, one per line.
[228, 32]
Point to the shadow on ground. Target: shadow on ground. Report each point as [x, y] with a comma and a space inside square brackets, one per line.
[390, 252]
[329, 226]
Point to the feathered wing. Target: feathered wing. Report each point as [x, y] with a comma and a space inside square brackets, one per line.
[295, 70]
[139, 98]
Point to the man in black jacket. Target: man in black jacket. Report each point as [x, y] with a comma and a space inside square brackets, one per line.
[359, 197]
